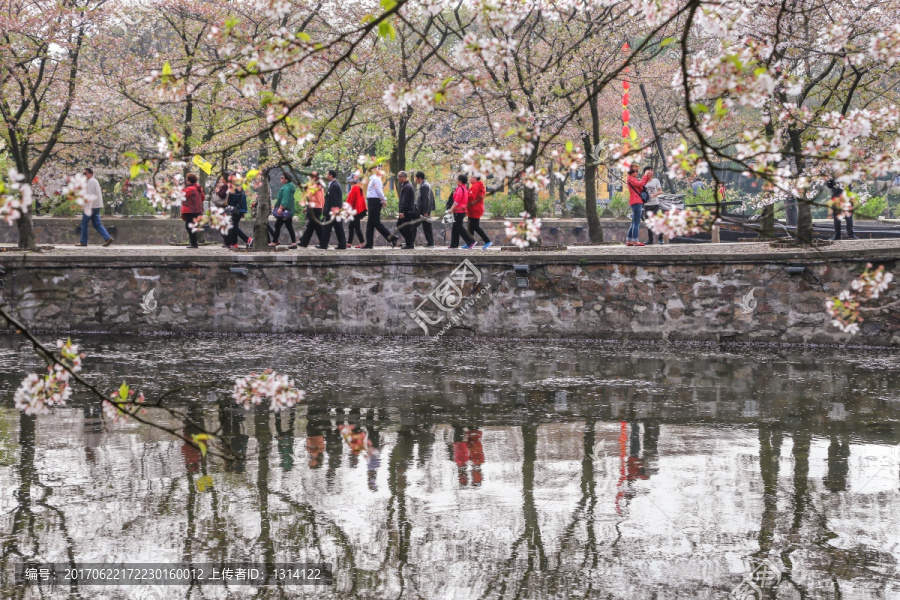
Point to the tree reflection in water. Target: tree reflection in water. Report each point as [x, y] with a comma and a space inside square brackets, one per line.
[460, 473]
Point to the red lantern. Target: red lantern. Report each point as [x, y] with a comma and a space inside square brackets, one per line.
[626, 85]
[625, 99]
[625, 115]
[626, 131]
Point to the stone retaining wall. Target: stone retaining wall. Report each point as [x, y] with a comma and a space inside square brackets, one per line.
[154, 232]
[658, 295]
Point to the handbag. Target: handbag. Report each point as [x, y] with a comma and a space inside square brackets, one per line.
[280, 212]
[645, 195]
[449, 204]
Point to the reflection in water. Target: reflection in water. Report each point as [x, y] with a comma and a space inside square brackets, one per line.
[539, 471]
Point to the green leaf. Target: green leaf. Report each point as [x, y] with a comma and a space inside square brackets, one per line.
[167, 69]
[123, 391]
[251, 174]
[386, 30]
[633, 135]
[130, 154]
[135, 170]
[569, 146]
[666, 42]
[699, 107]
[388, 4]
[204, 483]
[303, 36]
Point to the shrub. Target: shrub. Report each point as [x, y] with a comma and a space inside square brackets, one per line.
[392, 206]
[503, 206]
[619, 206]
[576, 206]
[59, 207]
[873, 207]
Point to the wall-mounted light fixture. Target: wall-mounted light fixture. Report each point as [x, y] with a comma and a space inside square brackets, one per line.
[521, 275]
[240, 270]
[795, 270]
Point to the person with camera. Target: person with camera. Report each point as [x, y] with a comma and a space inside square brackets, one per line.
[637, 196]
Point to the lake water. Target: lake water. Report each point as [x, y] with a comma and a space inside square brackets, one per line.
[487, 469]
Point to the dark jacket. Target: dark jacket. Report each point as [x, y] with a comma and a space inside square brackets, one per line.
[407, 204]
[426, 199]
[334, 197]
[238, 199]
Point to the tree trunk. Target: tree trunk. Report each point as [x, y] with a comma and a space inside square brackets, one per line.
[27, 238]
[529, 196]
[804, 206]
[767, 222]
[563, 207]
[595, 233]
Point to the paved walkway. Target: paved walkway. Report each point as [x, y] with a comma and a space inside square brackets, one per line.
[612, 250]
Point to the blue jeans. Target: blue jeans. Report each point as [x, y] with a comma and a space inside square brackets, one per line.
[94, 219]
[635, 229]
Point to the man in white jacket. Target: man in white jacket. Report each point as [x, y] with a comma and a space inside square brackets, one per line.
[92, 210]
[376, 200]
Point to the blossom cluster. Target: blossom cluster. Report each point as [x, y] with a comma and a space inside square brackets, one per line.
[525, 233]
[495, 162]
[344, 213]
[38, 393]
[15, 197]
[845, 307]
[75, 191]
[278, 389]
[677, 223]
[492, 51]
[122, 403]
[215, 217]
[166, 193]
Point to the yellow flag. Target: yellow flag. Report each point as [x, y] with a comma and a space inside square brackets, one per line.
[202, 164]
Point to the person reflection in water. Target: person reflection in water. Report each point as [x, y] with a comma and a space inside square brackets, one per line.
[373, 450]
[467, 449]
[189, 450]
[230, 420]
[838, 464]
[631, 466]
[285, 440]
[93, 431]
[315, 440]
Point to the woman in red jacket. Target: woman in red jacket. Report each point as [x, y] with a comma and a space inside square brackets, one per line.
[192, 206]
[460, 208]
[358, 202]
[475, 210]
[635, 187]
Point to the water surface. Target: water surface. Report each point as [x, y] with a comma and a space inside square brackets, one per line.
[487, 469]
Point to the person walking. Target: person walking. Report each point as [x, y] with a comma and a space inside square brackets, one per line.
[357, 201]
[460, 208]
[836, 192]
[426, 207]
[92, 208]
[376, 200]
[334, 200]
[192, 206]
[284, 212]
[636, 198]
[407, 211]
[651, 206]
[697, 185]
[237, 203]
[315, 196]
[475, 210]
